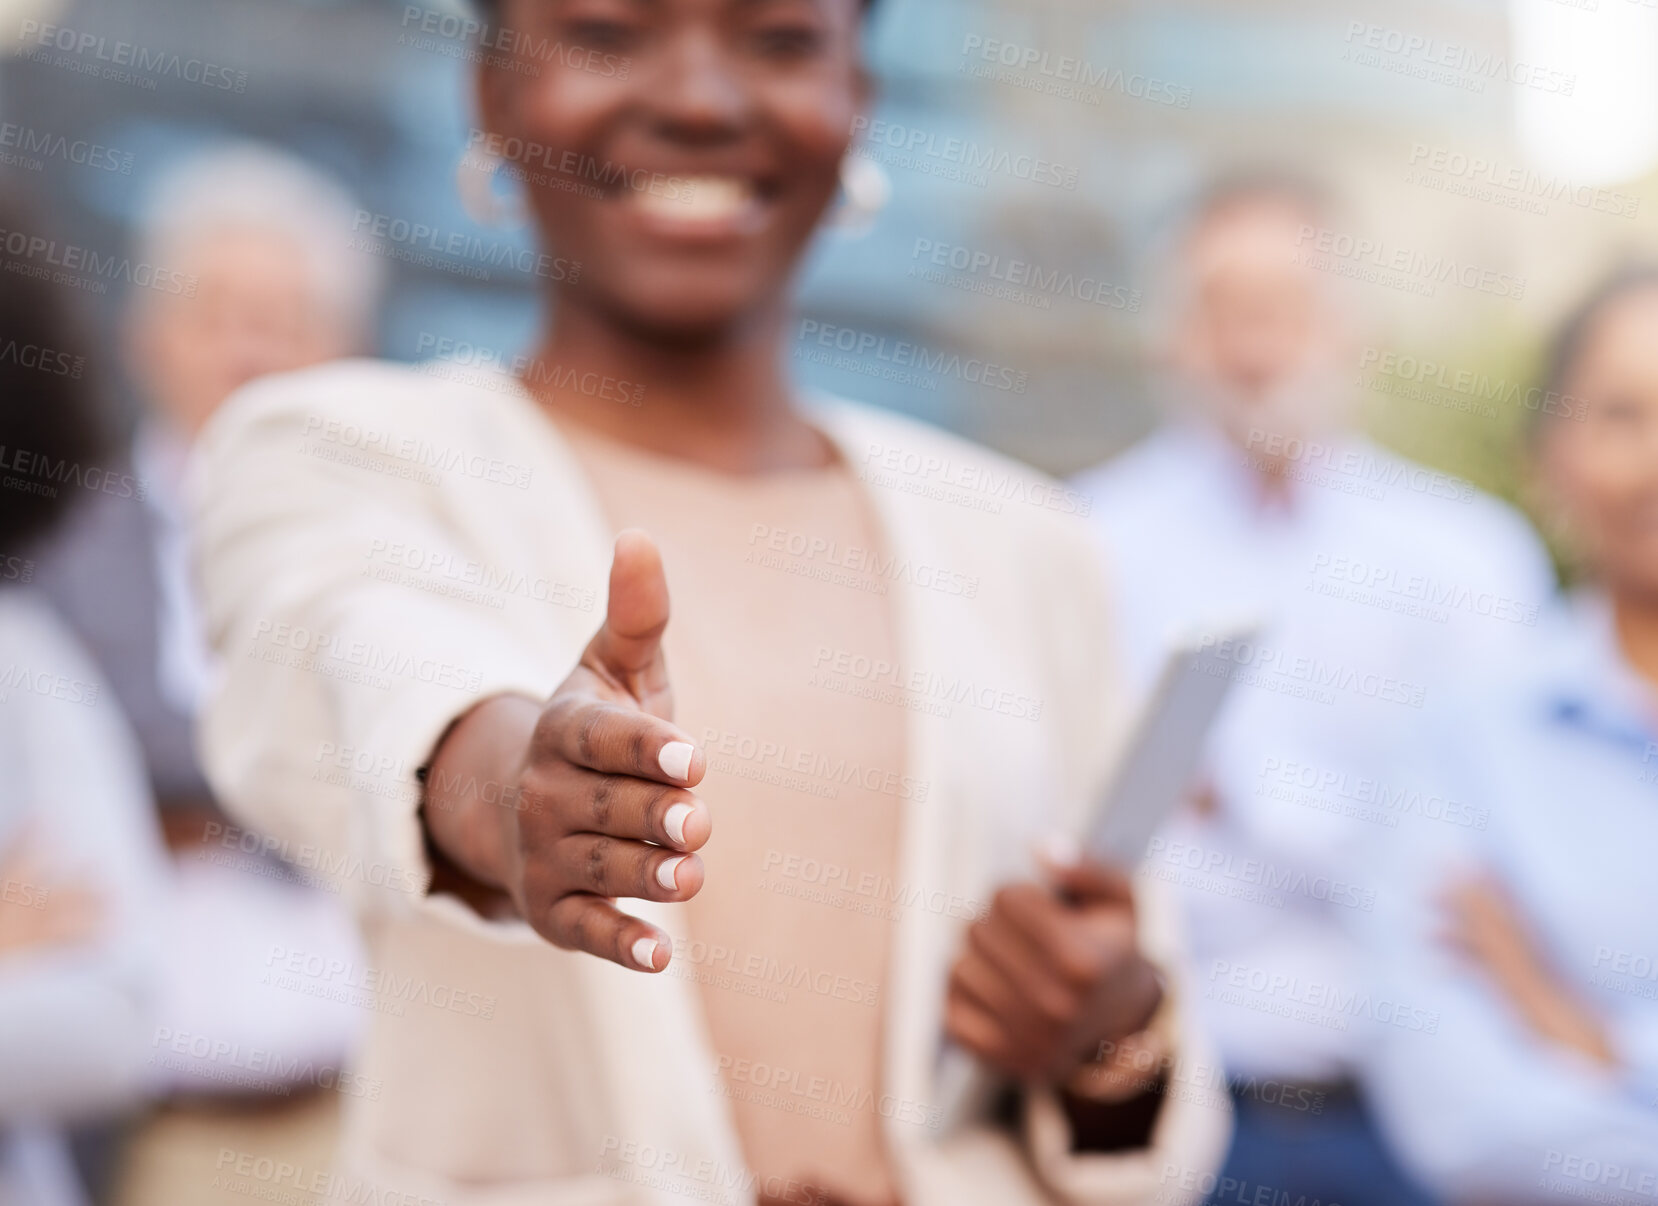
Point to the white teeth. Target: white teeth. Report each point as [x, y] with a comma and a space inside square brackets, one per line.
[696, 198]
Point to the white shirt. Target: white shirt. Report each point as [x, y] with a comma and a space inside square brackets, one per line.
[1367, 568]
[77, 1022]
[1557, 754]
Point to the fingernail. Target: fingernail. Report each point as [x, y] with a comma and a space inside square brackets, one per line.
[674, 821]
[1062, 850]
[675, 760]
[665, 873]
[644, 953]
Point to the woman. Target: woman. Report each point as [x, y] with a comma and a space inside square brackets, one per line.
[1533, 943]
[81, 867]
[878, 700]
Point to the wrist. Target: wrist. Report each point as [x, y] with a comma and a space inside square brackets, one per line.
[472, 789]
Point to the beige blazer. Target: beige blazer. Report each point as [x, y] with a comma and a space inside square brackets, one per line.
[382, 546]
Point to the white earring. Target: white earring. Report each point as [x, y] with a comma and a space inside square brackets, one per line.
[476, 180]
[865, 190]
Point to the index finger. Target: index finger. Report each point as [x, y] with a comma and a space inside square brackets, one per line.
[614, 739]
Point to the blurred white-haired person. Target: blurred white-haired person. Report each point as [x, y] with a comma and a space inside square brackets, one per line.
[250, 268]
[1260, 497]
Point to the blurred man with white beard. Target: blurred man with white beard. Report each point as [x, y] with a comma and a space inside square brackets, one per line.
[1258, 499]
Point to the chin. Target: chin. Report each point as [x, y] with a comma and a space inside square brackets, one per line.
[689, 313]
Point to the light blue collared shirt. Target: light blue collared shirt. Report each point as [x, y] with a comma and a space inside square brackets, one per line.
[1372, 572]
[1561, 752]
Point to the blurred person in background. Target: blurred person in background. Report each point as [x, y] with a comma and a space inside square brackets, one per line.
[446, 580]
[1258, 499]
[263, 241]
[1535, 937]
[82, 869]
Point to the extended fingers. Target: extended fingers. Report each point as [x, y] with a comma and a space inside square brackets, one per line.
[622, 806]
[592, 924]
[617, 739]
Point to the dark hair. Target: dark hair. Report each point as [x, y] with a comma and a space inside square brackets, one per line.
[51, 433]
[1571, 337]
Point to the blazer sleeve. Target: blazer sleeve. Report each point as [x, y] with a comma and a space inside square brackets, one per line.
[333, 685]
[1194, 1120]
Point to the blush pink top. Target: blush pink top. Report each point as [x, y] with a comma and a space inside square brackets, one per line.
[771, 577]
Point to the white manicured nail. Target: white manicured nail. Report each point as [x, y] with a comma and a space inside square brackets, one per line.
[1062, 849]
[644, 953]
[674, 821]
[675, 760]
[665, 873]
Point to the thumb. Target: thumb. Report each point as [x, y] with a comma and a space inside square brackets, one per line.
[628, 646]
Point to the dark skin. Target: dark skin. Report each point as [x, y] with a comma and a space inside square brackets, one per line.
[751, 101]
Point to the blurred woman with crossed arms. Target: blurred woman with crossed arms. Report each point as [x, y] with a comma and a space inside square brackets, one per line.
[1531, 938]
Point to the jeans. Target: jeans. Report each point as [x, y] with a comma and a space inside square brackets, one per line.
[1331, 1158]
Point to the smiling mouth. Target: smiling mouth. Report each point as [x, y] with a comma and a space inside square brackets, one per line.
[699, 206]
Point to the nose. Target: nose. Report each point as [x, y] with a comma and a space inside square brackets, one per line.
[699, 93]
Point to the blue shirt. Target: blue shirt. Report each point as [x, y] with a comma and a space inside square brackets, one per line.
[1374, 574]
[1560, 753]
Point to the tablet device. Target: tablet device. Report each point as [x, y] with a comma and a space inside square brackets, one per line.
[1165, 748]
[1159, 762]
